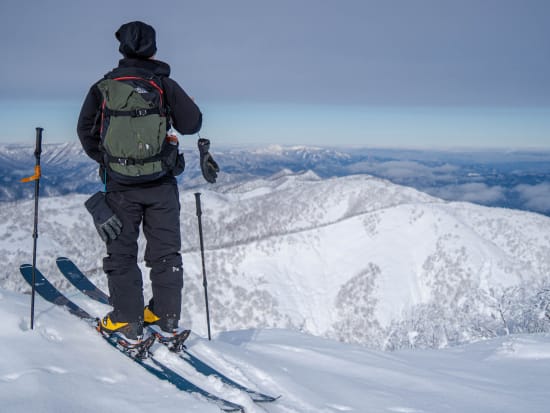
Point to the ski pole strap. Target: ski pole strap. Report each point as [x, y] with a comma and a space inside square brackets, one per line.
[37, 175]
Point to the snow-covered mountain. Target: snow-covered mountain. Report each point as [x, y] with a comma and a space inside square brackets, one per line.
[355, 258]
[66, 169]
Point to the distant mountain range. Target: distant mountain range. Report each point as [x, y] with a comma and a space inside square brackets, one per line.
[511, 179]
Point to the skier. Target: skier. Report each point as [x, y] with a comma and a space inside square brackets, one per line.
[140, 190]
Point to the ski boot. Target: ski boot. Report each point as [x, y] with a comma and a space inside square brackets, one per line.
[165, 330]
[127, 335]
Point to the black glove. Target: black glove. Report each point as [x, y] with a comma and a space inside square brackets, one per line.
[108, 225]
[209, 167]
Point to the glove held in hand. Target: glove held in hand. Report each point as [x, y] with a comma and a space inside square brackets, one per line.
[209, 167]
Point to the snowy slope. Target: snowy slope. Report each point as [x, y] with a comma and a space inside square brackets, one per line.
[356, 258]
[64, 366]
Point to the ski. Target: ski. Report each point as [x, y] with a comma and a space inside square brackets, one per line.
[141, 356]
[80, 281]
[83, 283]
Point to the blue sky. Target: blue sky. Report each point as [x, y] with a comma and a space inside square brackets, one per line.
[435, 73]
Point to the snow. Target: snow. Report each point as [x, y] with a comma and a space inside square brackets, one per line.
[309, 279]
[64, 366]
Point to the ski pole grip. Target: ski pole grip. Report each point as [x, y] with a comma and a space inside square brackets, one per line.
[38, 147]
[198, 203]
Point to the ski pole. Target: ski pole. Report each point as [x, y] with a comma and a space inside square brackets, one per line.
[204, 281]
[36, 179]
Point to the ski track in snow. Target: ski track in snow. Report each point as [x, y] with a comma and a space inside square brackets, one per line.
[47, 369]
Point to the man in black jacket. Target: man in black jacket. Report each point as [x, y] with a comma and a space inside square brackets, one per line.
[119, 212]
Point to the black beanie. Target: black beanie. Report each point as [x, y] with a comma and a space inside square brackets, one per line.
[137, 39]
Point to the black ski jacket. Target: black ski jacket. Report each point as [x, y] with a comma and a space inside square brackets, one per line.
[185, 115]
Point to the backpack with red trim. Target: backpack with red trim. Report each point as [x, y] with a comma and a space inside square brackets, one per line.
[135, 120]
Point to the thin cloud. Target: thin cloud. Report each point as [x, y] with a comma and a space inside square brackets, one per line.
[476, 192]
[402, 171]
[535, 197]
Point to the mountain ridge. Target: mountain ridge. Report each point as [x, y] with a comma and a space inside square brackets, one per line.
[354, 258]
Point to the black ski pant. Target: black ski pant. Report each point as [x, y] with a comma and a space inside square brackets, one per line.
[157, 210]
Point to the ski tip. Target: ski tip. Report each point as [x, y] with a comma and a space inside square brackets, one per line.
[24, 266]
[62, 259]
[263, 398]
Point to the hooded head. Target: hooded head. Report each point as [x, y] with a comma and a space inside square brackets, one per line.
[137, 39]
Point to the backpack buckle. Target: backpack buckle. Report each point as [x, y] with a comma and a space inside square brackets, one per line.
[124, 161]
[140, 112]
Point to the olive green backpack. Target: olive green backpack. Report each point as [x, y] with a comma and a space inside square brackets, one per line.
[134, 124]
